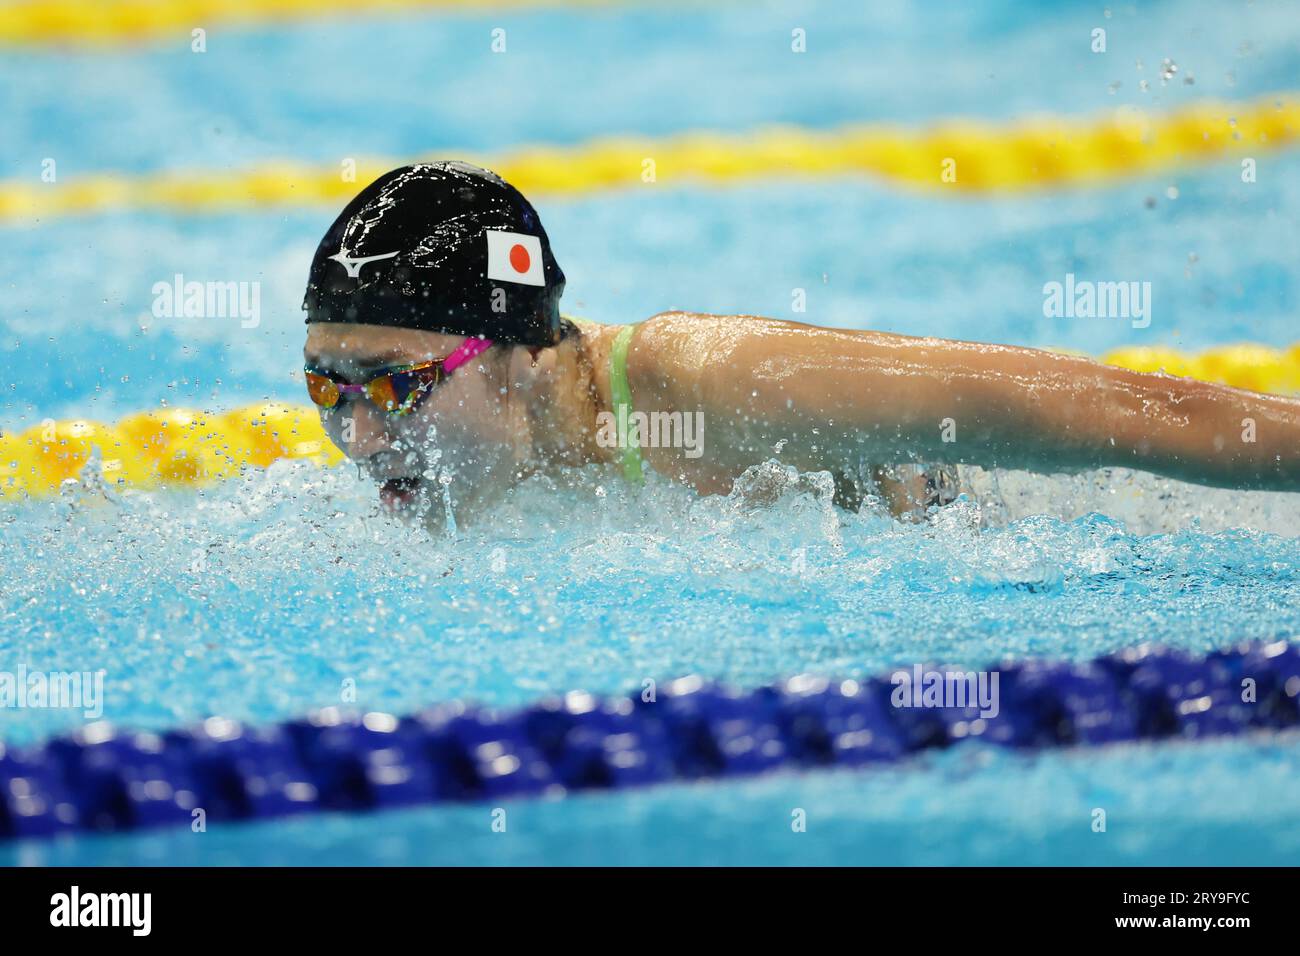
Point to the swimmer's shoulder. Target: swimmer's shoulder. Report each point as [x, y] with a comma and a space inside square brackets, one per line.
[675, 343]
[675, 351]
[678, 357]
[704, 336]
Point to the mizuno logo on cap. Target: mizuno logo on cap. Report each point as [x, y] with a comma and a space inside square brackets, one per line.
[353, 266]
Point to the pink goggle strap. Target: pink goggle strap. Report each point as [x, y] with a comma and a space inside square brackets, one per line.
[464, 352]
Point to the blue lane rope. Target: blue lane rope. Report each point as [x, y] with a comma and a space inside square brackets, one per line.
[100, 779]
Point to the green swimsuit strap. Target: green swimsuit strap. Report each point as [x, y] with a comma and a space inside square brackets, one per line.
[621, 395]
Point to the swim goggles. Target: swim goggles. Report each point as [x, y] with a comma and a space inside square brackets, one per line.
[396, 391]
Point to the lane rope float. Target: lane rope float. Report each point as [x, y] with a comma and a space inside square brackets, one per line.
[106, 22]
[161, 448]
[1018, 155]
[102, 779]
[181, 447]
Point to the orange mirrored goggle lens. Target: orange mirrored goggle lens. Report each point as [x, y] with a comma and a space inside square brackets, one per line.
[323, 391]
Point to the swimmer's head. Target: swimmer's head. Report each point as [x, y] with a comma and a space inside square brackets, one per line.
[421, 271]
[440, 247]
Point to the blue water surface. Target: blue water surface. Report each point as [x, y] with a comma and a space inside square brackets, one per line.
[271, 596]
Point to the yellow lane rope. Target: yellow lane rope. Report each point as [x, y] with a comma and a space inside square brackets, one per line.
[959, 156]
[185, 447]
[99, 22]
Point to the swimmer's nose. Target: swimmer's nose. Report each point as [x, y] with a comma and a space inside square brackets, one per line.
[369, 431]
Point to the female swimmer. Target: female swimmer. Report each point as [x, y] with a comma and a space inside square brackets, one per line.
[435, 346]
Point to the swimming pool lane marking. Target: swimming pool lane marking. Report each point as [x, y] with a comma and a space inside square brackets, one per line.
[180, 447]
[110, 22]
[952, 156]
[102, 779]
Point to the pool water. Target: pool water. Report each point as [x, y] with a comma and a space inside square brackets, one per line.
[259, 598]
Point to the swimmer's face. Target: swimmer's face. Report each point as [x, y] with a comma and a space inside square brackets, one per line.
[461, 429]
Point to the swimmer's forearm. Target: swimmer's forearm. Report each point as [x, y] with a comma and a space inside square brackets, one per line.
[1194, 431]
[1056, 413]
[1045, 413]
[1082, 414]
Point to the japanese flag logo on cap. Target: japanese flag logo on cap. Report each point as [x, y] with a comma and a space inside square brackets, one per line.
[514, 257]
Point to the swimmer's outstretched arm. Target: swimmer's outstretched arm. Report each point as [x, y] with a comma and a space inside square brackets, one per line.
[838, 398]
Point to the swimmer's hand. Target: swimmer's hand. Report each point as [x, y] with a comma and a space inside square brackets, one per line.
[837, 399]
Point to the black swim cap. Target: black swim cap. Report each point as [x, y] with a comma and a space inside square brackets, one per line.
[444, 247]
